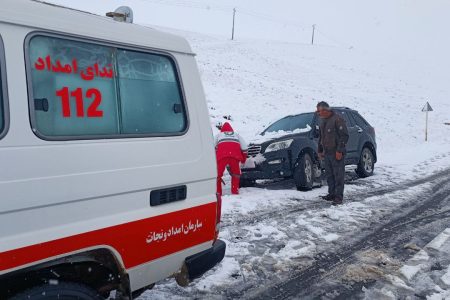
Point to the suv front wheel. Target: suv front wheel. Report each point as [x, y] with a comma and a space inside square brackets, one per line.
[304, 173]
[366, 163]
[247, 182]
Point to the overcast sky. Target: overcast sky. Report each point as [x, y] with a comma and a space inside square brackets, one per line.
[415, 28]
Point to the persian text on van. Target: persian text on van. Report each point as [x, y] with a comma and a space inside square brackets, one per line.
[164, 235]
[72, 68]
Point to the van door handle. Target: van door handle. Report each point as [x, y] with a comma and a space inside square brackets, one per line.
[41, 104]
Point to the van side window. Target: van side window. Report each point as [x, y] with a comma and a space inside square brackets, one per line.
[83, 90]
[74, 88]
[149, 94]
[3, 111]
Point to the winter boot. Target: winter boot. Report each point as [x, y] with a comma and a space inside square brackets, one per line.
[337, 201]
[328, 197]
[235, 184]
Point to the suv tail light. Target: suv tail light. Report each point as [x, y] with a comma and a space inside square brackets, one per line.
[218, 214]
[372, 130]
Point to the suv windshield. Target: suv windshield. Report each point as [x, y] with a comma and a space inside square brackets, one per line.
[302, 121]
[291, 123]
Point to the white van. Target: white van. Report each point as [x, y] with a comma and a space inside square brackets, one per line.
[107, 164]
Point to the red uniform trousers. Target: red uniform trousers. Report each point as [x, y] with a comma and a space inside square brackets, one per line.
[235, 173]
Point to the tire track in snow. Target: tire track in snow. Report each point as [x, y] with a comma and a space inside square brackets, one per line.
[303, 283]
[283, 211]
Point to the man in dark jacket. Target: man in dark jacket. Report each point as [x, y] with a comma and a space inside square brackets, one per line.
[332, 140]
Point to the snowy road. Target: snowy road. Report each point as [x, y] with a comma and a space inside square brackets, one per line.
[282, 243]
[374, 262]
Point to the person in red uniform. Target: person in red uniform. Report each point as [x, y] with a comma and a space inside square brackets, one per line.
[231, 150]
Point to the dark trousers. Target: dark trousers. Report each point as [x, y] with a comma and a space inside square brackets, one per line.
[335, 173]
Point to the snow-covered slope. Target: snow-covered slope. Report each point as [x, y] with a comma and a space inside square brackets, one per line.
[258, 81]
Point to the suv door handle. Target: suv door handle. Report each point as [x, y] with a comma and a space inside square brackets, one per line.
[359, 129]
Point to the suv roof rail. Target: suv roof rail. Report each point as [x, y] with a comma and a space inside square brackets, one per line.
[341, 107]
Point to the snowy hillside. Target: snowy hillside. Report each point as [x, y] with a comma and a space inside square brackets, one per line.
[257, 82]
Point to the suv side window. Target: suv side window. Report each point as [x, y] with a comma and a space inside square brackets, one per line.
[83, 90]
[360, 120]
[347, 118]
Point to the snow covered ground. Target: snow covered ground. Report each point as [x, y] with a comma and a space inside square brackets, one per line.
[272, 231]
[425, 275]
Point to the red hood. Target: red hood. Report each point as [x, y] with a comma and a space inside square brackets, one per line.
[226, 127]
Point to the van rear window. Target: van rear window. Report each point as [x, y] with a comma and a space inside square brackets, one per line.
[83, 90]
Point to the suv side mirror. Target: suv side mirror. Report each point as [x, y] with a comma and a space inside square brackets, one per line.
[316, 132]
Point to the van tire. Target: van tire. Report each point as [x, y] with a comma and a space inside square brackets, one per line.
[366, 163]
[304, 173]
[60, 291]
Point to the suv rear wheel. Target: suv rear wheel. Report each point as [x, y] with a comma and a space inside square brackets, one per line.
[304, 173]
[366, 163]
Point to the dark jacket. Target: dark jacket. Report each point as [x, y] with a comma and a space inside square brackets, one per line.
[333, 134]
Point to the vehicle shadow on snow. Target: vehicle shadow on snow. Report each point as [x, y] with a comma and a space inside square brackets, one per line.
[289, 184]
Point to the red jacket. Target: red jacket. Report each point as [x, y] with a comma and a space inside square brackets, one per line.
[230, 144]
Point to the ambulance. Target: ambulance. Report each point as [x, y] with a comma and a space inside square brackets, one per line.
[107, 163]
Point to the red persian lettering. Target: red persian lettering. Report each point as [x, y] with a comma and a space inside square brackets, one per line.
[95, 71]
[56, 66]
[89, 73]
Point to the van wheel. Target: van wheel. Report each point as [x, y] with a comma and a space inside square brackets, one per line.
[247, 182]
[59, 291]
[304, 173]
[366, 163]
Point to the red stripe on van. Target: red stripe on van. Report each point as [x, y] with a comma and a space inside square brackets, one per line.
[137, 242]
